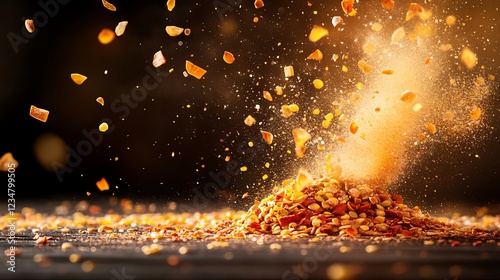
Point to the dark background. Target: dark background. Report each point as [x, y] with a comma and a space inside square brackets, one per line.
[39, 74]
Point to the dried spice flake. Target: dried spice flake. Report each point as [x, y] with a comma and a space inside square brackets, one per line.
[258, 4]
[108, 5]
[267, 95]
[408, 96]
[475, 114]
[316, 55]
[249, 120]
[364, 66]
[174, 30]
[158, 59]
[228, 57]
[388, 4]
[170, 5]
[398, 35]
[39, 113]
[120, 28]
[100, 100]
[195, 70]
[102, 185]
[268, 136]
[7, 161]
[336, 20]
[30, 26]
[317, 32]
[288, 71]
[387, 72]
[468, 58]
[347, 7]
[78, 78]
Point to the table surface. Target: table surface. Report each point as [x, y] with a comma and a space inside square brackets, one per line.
[254, 257]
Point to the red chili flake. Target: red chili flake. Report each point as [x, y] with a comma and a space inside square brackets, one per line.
[340, 209]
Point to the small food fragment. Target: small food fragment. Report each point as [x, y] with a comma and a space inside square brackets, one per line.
[417, 107]
[66, 246]
[413, 10]
[174, 30]
[345, 69]
[41, 240]
[364, 66]
[108, 5]
[371, 248]
[451, 20]
[300, 137]
[39, 113]
[106, 36]
[249, 120]
[377, 27]
[316, 55]
[475, 114]
[243, 168]
[318, 84]
[258, 4]
[30, 26]
[268, 136]
[317, 32]
[294, 108]
[468, 58]
[427, 60]
[387, 72]
[430, 128]
[347, 7]
[158, 59]
[7, 161]
[100, 100]
[288, 71]
[255, 19]
[408, 96]
[285, 109]
[388, 4]
[278, 90]
[304, 179]
[336, 20]
[120, 28]
[245, 195]
[102, 185]
[267, 95]
[353, 127]
[170, 5]
[78, 78]
[195, 70]
[445, 47]
[228, 57]
[103, 127]
[397, 35]
[187, 31]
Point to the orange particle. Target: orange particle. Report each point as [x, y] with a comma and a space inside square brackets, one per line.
[286, 111]
[106, 36]
[304, 178]
[78, 78]
[413, 10]
[268, 136]
[317, 32]
[38, 113]
[250, 120]
[108, 5]
[430, 128]
[7, 161]
[278, 90]
[353, 127]
[316, 55]
[427, 60]
[408, 96]
[267, 95]
[255, 19]
[194, 70]
[245, 195]
[258, 4]
[300, 136]
[364, 66]
[387, 72]
[187, 31]
[475, 114]
[388, 4]
[170, 5]
[100, 100]
[347, 7]
[174, 30]
[102, 185]
[228, 57]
